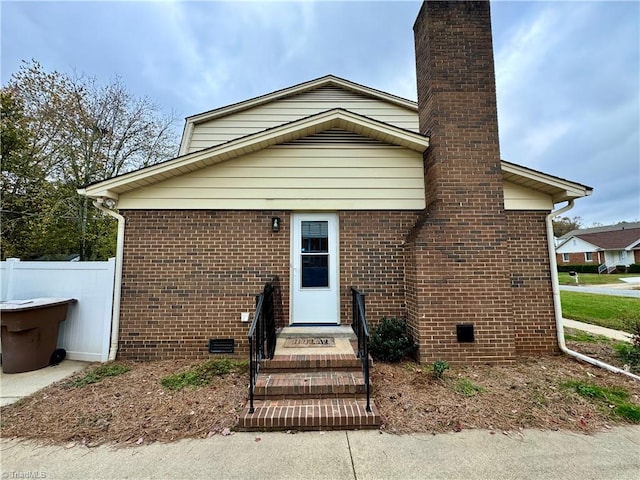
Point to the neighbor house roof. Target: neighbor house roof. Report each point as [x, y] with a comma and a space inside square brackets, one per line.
[624, 236]
[603, 228]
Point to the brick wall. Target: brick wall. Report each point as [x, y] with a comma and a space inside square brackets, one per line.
[372, 260]
[533, 313]
[457, 268]
[187, 275]
[579, 258]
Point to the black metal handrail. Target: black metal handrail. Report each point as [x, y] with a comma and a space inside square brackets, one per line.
[262, 337]
[361, 329]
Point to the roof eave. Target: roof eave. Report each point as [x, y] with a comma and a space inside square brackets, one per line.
[336, 118]
[565, 190]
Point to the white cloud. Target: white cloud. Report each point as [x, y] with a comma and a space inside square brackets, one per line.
[567, 73]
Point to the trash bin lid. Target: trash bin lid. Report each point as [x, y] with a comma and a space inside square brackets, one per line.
[33, 303]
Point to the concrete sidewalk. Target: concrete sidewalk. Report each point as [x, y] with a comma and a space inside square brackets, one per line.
[361, 455]
[617, 290]
[14, 386]
[597, 330]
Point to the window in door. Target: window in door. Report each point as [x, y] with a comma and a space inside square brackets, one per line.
[314, 254]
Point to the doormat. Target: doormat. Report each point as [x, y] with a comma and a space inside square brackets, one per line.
[301, 342]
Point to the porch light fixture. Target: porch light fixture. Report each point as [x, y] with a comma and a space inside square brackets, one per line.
[275, 224]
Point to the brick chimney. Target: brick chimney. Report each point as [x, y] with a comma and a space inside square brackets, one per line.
[458, 271]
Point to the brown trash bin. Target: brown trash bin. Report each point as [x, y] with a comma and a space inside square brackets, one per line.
[30, 332]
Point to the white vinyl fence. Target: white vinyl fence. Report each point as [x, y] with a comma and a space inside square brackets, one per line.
[86, 333]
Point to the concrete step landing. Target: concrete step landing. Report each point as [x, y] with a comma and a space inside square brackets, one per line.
[323, 331]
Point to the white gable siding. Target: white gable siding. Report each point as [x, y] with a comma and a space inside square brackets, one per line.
[221, 130]
[300, 176]
[576, 245]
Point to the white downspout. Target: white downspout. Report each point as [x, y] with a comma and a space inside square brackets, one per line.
[115, 318]
[557, 306]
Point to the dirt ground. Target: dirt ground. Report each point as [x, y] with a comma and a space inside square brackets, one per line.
[134, 409]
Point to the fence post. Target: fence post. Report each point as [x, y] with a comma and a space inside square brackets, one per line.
[11, 262]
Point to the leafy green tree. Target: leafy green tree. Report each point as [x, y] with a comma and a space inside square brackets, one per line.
[25, 189]
[76, 131]
[564, 225]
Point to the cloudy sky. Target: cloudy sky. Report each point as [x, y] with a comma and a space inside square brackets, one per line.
[568, 73]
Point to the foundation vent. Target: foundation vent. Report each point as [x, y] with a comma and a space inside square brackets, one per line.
[221, 345]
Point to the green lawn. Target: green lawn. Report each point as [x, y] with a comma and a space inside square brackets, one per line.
[593, 278]
[620, 313]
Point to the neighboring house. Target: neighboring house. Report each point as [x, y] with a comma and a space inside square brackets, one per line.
[330, 184]
[607, 246]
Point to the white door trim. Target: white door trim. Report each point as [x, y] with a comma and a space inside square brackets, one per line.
[316, 305]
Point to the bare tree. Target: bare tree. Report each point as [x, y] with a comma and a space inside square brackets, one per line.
[83, 131]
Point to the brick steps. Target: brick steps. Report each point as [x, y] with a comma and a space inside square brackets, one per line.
[324, 384]
[310, 414]
[295, 363]
[310, 392]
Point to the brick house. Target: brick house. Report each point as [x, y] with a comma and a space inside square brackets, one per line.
[608, 246]
[331, 184]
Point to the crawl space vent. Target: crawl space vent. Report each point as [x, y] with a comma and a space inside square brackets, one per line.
[464, 332]
[221, 345]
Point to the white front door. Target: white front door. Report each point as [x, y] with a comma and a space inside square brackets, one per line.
[314, 261]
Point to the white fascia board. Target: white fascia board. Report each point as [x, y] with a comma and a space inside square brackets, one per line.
[258, 141]
[568, 190]
[103, 193]
[633, 245]
[187, 131]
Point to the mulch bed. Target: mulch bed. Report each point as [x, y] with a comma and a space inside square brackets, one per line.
[134, 409]
[528, 394]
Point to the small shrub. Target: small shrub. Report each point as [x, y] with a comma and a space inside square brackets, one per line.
[579, 268]
[634, 268]
[466, 387]
[98, 373]
[390, 341]
[439, 367]
[635, 334]
[202, 374]
[630, 353]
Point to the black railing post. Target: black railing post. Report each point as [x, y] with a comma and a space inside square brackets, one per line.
[251, 375]
[262, 331]
[361, 329]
